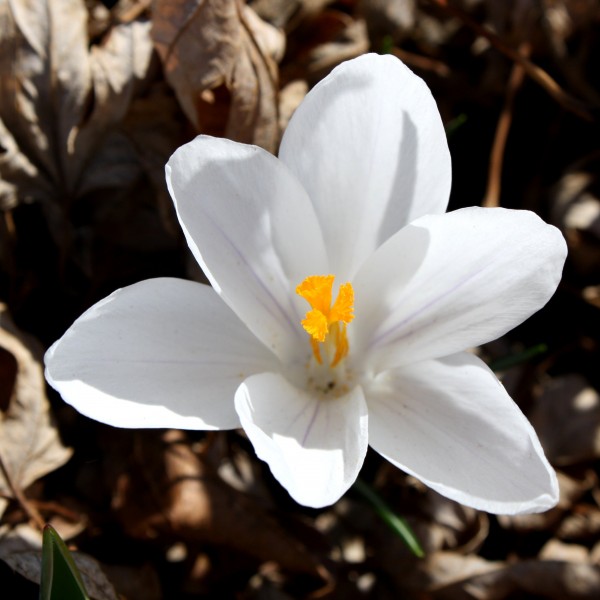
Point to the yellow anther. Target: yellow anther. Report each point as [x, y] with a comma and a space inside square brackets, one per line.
[326, 323]
[343, 307]
[316, 325]
[316, 290]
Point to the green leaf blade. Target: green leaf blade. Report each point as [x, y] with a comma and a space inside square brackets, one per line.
[61, 579]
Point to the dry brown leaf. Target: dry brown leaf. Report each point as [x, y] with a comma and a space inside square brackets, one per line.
[29, 444]
[442, 570]
[29, 564]
[440, 524]
[269, 39]
[290, 98]
[44, 79]
[327, 40]
[583, 524]
[447, 575]
[119, 68]
[557, 550]
[448, 525]
[182, 498]
[556, 580]
[280, 12]
[220, 58]
[62, 104]
[17, 173]
[595, 553]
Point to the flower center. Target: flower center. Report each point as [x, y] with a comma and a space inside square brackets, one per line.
[326, 323]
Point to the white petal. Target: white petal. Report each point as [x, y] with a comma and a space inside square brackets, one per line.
[160, 353]
[315, 447]
[449, 282]
[253, 230]
[369, 146]
[451, 424]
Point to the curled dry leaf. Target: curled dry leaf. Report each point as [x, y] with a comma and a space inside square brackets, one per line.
[220, 58]
[185, 499]
[62, 105]
[452, 525]
[326, 40]
[29, 444]
[44, 82]
[283, 13]
[17, 173]
[289, 100]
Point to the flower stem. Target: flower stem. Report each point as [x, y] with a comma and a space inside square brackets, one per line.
[395, 522]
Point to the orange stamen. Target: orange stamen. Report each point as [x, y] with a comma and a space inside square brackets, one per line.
[326, 323]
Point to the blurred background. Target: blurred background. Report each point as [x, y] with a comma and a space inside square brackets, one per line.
[94, 98]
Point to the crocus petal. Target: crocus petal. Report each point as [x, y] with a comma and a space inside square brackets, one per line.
[449, 282]
[252, 228]
[315, 447]
[159, 353]
[369, 146]
[451, 424]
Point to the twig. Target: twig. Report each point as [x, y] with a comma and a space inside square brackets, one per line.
[31, 512]
[135, 11]
[424, 63]
[492, 193]
[58, 509]
[536, 73]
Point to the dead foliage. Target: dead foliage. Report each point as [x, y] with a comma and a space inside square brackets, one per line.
[94, 97]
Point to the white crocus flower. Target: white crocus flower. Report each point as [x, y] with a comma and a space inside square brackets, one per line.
[342, 302]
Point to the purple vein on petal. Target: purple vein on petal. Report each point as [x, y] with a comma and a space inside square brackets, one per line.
[296, 417]
[447, 437]
[381, 338]
[156, 361]
[292, 325]
[312, 422]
